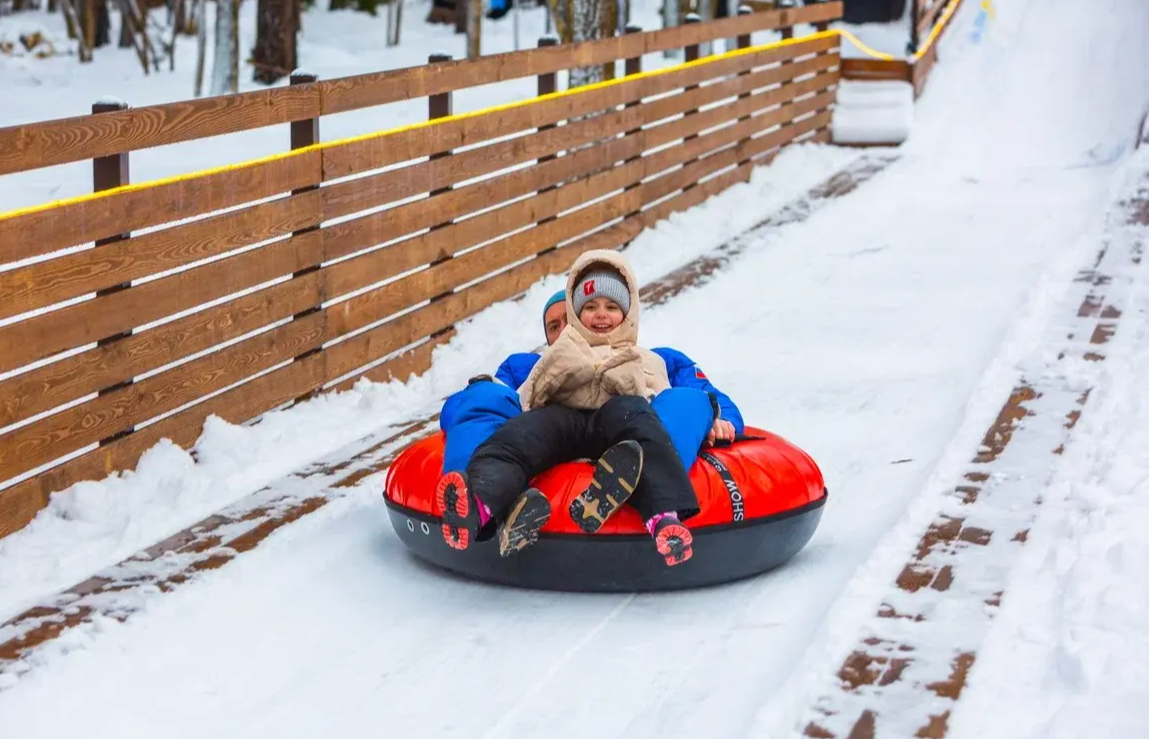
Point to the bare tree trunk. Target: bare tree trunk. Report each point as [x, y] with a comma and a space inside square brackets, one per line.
[586, 25]
[274, 55]
[225, 62]
[95, 22]
[75, 30]
[201, 44]
[127, 36]
[474, 28]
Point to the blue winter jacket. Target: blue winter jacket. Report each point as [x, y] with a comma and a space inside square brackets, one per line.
[473, 414]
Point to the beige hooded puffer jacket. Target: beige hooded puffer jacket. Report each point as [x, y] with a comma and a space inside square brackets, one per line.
[583, 369]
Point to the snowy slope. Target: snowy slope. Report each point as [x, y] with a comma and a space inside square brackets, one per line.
[880, 335]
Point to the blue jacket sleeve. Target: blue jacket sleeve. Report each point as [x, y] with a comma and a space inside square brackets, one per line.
[471, 416]
[515, 369]
[683, 372]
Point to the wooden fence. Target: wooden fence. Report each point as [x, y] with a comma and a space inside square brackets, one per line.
[252, 287]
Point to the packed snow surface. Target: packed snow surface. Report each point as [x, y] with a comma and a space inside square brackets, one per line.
[881, 335]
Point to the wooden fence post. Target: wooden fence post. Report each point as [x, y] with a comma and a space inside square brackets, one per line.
[787, 31]
[744, 43]
[819, 26]
[633, 67]
[440, 106]
[303, 134]
[915, 36]
[692, 53]
[547, 84]
[822, 26]
[108, 173]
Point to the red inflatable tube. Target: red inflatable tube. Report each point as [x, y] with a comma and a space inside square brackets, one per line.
[761, 499]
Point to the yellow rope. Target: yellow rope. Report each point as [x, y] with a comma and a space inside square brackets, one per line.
[409, 127]
[937, 29]
[863, 48]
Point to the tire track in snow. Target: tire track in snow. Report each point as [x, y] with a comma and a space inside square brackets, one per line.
[121, 590]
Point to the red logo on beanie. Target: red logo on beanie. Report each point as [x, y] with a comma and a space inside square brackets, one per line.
[588, 287]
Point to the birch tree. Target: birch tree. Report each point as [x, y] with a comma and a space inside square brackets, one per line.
[225, 62]
[585, 20]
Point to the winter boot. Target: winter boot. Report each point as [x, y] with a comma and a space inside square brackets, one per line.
[616, 474]
[530, 512]
[672, 539]
[463, 513]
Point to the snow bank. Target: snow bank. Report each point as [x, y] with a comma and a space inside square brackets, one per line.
[878, 112]
[1070, 654]
[97, 523]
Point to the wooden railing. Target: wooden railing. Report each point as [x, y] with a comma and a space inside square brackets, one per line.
[241, 290]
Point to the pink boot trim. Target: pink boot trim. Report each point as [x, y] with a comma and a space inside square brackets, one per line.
[653, 521]
[484, 513]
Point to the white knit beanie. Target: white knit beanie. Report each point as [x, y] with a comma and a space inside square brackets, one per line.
[601, 284]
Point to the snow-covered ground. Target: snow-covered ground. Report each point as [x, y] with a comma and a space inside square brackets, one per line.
[881, 334]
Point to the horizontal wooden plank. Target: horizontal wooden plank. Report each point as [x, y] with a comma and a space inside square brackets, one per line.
[37, 444]
[48, 143]
[876, 69]
[362, 91]
[128, 210]
[73, 275]
[76, 325]
[71, 378]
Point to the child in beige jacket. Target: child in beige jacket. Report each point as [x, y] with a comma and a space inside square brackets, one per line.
[587, 397]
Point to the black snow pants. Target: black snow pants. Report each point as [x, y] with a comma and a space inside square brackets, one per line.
[533, 442]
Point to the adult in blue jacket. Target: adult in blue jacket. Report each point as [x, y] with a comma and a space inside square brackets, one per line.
[693, 410]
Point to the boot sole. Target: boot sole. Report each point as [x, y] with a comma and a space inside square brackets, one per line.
[460, 519]
[675, 543]
[616, 474]
[521, 529]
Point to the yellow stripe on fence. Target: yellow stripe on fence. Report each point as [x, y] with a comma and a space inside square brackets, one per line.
[412, 126]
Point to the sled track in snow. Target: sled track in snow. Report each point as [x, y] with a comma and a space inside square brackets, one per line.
[119, 591]
[913, 657]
